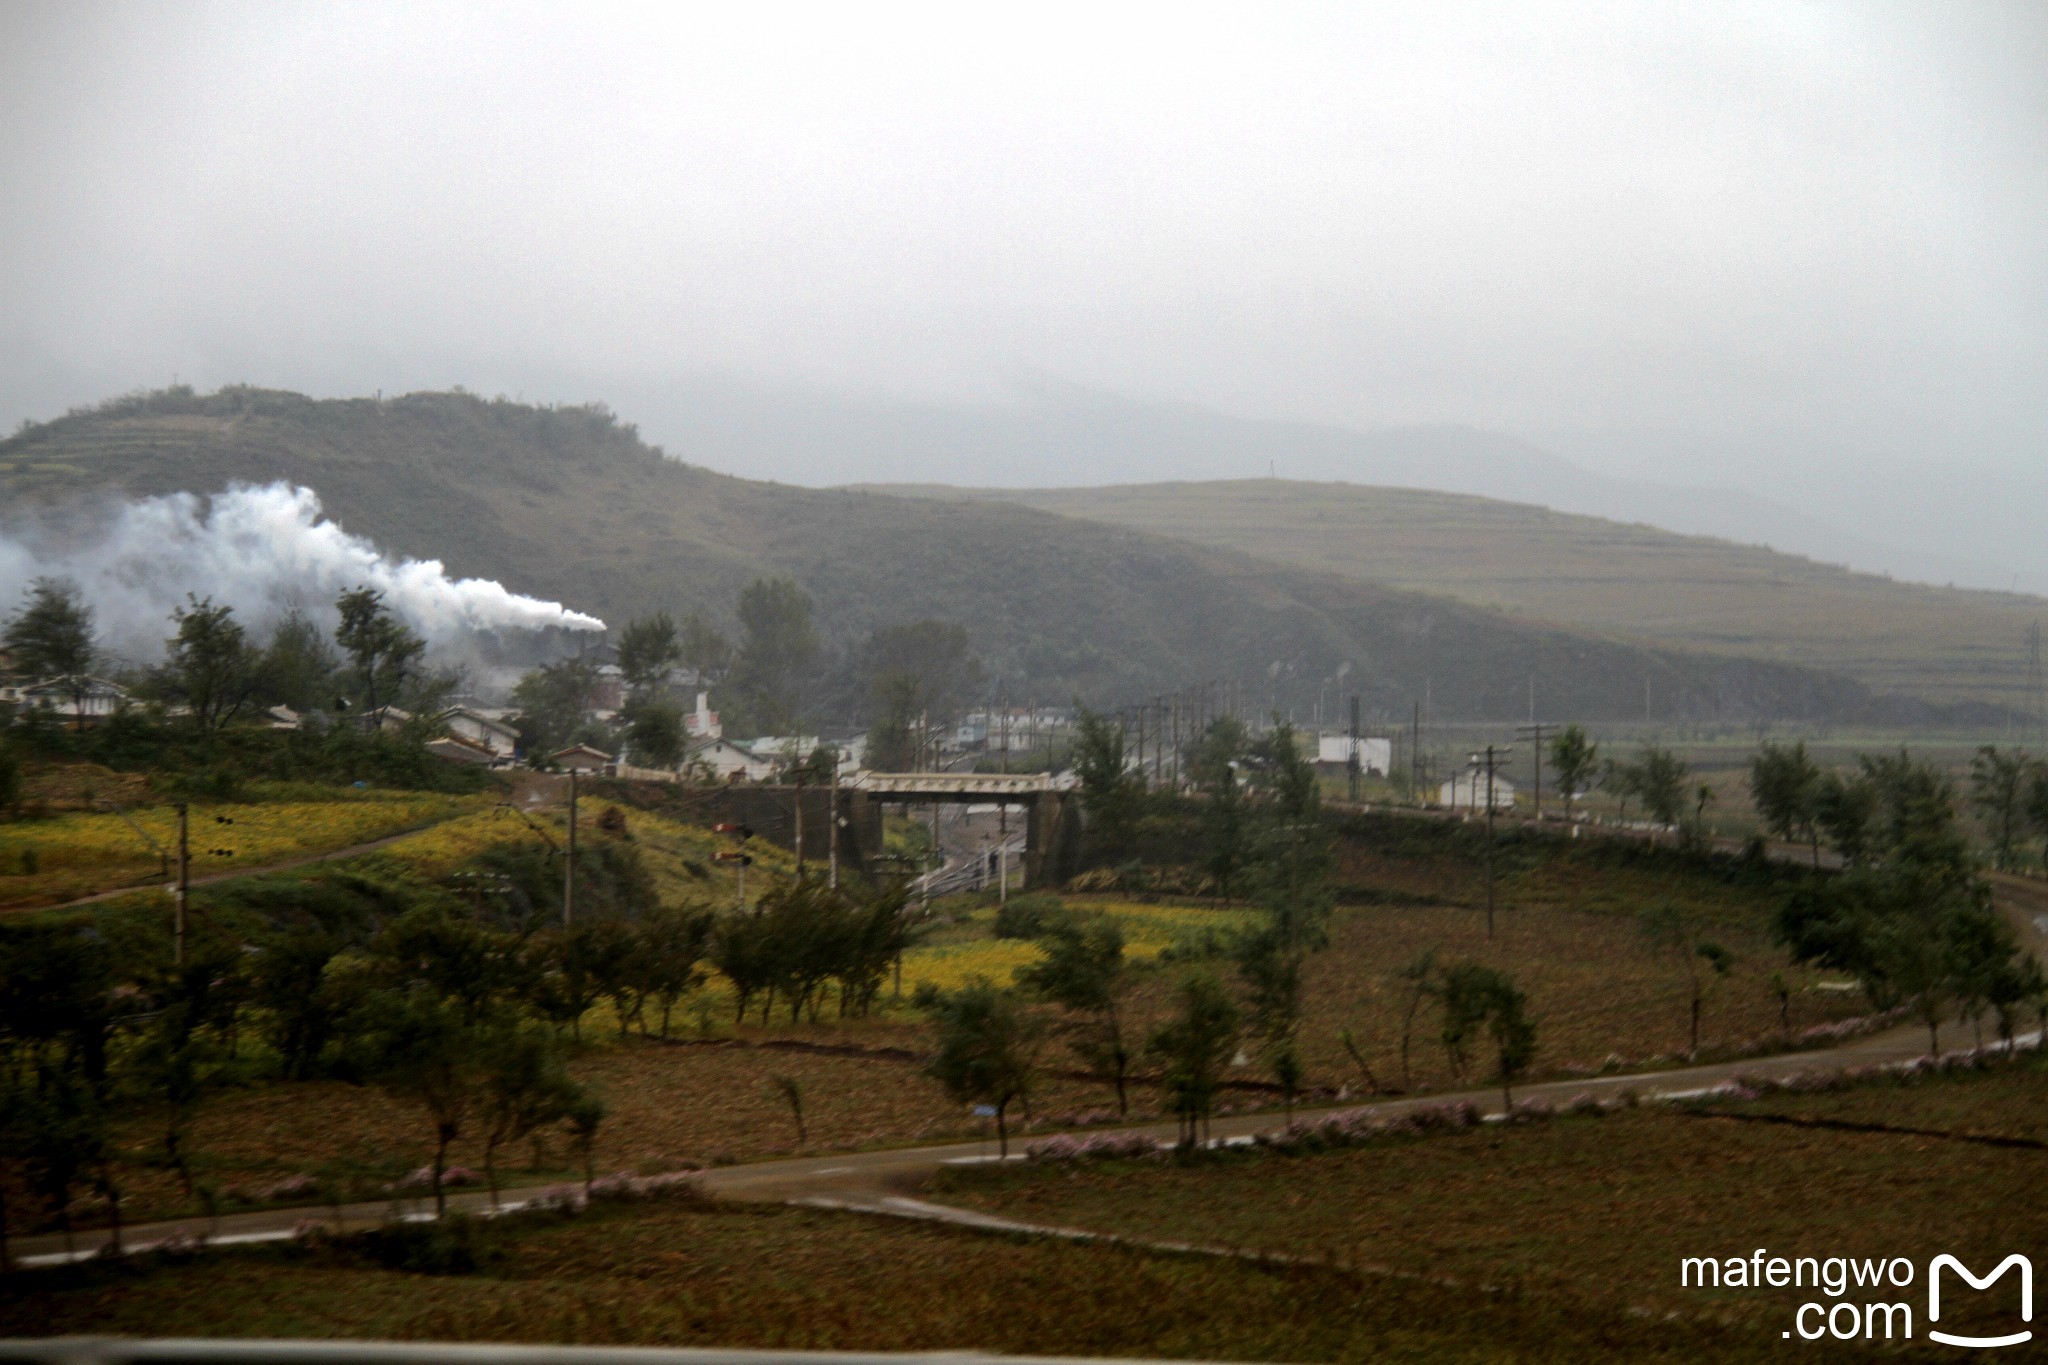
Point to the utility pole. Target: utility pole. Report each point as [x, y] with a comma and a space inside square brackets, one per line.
[1492, 754]
[799, 824]
[569, 867]
[832, 825]
[1415, 755]
[1535, 730]
[184, 890]
[1351, 758]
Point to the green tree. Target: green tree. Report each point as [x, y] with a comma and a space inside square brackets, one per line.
[1843, 809]
[1112, 797]
[1194, 1047]
[668, 946]
[1660, 780]
[1680, 931]
[554, 705]
[211, 667]
[649, 652]
[778, 646]
[1289, 879]
[422, 1048]
[1476, 997]
[1085, 972]
[298, 666]
[919, 676]
[654, 731]
[382, 650]
[987, 1049]
[1574, 759]
[524, 1087]
[1999, 785]
[704, 648]
[52, 635]
[1786, 786]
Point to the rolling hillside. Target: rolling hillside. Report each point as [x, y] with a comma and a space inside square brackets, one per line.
[1694, 592]
[569, 504]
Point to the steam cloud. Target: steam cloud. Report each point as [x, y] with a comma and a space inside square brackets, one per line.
[263, 551]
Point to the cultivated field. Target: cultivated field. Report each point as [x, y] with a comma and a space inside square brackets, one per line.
[1601, 1210]
[677, 1275]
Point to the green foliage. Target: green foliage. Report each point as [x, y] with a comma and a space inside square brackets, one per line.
[917, 677]
[655, 737]
[1657, 778]
[778, 647]
[51, 635]
[382, 650]
[1474, 997]
[553, 702]
[451, 1245]
[1194, 1047]
[1085, 972]
[1112, 797]
[299, 666]
[212, 668]
[1029, 916]
[1999, 784]
[1574, 759]
[986, 1048]
[649, 651]
[805, 934]
[1680, 930]
[1786, 786]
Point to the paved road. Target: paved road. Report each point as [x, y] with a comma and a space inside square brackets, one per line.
[875, 1180]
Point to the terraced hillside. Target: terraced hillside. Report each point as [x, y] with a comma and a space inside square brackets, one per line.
[1692, 592]
[569, 504]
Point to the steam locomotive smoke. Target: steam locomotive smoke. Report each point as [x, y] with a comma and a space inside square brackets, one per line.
[263, 551]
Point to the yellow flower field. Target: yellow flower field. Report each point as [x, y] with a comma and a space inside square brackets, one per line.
[667, 847]
[42, 861]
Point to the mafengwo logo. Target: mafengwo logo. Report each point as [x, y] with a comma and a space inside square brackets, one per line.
[2012, 1262]
[1867, 1317]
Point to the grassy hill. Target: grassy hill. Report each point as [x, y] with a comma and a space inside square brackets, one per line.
[568, 503]
[1693, 592]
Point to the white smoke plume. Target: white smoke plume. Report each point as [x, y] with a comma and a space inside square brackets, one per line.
[263, 551]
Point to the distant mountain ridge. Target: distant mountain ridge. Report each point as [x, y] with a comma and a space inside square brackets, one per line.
[569, 504]
[1633, 580]
[1052, 430]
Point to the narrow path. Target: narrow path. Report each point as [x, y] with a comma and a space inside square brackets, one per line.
[303, 860]
[865, 1179]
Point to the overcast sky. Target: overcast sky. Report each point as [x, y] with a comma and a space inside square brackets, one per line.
[1701, 240]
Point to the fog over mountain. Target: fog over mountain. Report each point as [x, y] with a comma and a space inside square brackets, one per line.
[1582, 254]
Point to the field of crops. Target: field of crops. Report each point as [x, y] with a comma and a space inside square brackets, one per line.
[1601, 1209]
[677, 1275]
[46, 861]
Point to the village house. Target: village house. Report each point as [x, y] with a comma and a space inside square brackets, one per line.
[486, 732]
[1467, 790]
[78, 698]
[728, 762]
[1375, 756]
[581, 758]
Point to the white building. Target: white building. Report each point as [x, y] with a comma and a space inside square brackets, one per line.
[1467, 790]
[581, 758]
[702, 723]
[77, 698]
[1374, 755]
[727, 762]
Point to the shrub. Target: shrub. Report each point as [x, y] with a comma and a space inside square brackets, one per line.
[1028, 916]
[455, 1245]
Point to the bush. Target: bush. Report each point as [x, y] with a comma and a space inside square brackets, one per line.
[455, 1245]
[1029, 916]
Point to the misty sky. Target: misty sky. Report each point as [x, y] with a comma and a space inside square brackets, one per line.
[1715, 243]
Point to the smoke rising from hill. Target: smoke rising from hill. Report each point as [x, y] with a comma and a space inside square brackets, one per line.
[264, 551]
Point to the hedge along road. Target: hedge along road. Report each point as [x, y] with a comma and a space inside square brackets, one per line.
[873, 1181]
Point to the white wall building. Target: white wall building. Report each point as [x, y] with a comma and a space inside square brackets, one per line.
[1467, 790]
[1374, 755]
